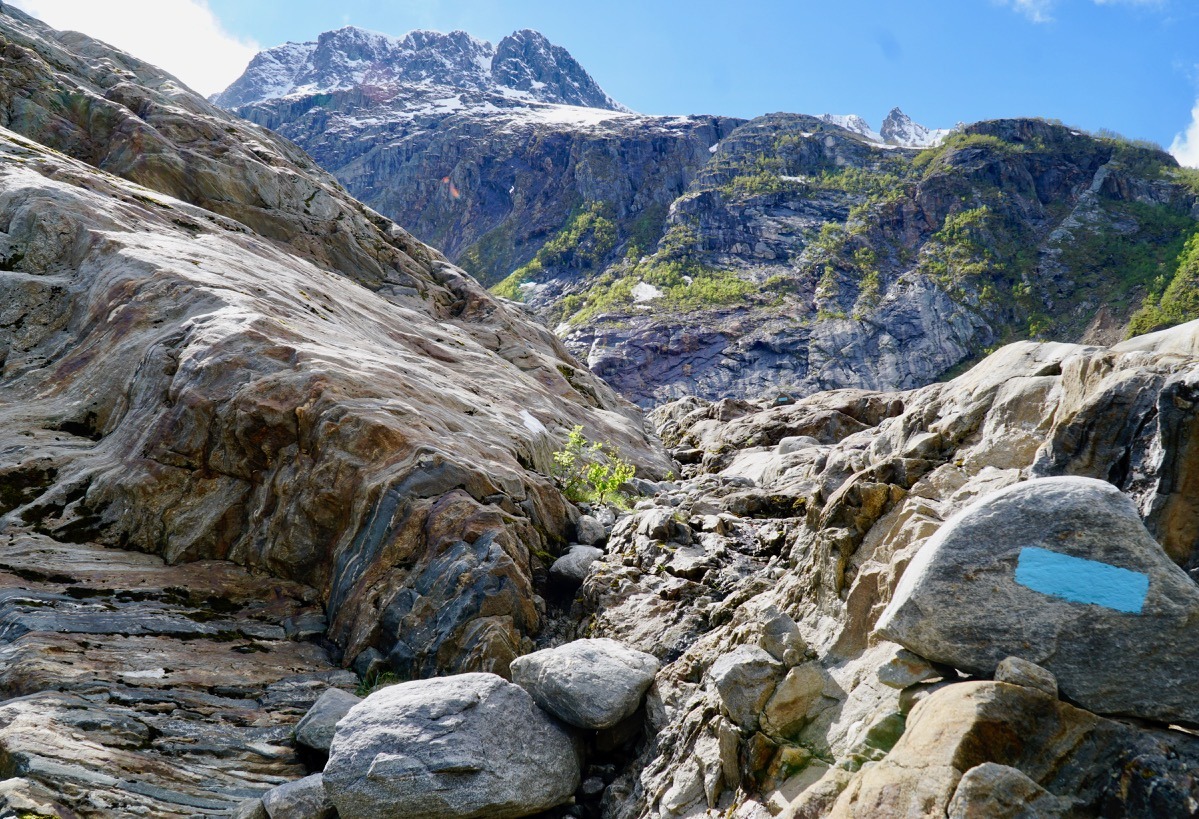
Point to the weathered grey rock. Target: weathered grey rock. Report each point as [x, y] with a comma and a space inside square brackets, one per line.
[315, 730]
[111, 622]
[1021, 672]
[790, 704]
[592, 683]
[572, 567]
[781, 637]
[589, 531]
[303, 799]
[267, 300]
[999, 792]
[469, 745]
[906, 669]
[1060, 572]
[745, 678]
[795, 443]
[251, 809]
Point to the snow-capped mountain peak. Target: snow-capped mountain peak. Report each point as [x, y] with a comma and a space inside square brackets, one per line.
[524, 64]
[852, 122]
[898, 130]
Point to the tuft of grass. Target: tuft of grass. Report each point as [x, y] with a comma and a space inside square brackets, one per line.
[373, 682]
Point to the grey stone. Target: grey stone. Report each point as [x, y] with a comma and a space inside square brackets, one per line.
[303, 799]
[997, 791]
[745, 678]
[1021, 672]
[906, 669]
[315, 730]
[1060, 572]
[781, 637]
[251, 809]
[305, 626]
[469, 745]
[791, 702]
[572, 567]
[794, 443]
[589, 530]
[590, 684]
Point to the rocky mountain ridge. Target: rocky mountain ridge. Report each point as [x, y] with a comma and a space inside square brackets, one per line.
[524, 67]
[788, 254]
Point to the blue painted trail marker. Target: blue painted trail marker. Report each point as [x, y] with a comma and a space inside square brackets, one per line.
[1082, 581]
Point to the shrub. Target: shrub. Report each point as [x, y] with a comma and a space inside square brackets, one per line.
[589, 470]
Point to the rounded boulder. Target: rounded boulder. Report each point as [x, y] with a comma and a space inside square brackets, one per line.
[471, 745]
[591, 684]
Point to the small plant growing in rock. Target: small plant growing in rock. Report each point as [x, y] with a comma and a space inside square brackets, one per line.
[590, 470]
[374, 681]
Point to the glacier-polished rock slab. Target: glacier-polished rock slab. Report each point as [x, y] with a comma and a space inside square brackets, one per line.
[1060, 572]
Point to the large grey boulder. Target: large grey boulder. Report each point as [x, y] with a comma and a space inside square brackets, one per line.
[471, 745]
[588, 683]
[303, 799]
[315, 730]
[589, 530]
[1062, 573]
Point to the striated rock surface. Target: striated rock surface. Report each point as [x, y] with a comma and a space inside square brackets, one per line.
[135, 688]
[470, 745]
[174, 382]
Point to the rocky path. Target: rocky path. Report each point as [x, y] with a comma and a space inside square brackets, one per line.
[136, 688]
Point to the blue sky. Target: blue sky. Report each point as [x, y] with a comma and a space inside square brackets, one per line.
[1128, 65]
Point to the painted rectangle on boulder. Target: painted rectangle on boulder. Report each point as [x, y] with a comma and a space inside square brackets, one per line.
[1082, 581]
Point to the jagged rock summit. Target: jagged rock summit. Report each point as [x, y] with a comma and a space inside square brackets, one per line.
[898, 130]
[523, 68]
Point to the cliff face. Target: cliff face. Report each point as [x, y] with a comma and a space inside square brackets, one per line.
[804, 258]
[211, 352]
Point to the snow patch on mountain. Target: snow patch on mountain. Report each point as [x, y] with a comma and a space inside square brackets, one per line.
[524, 65]
[898, 130]
[852, 122]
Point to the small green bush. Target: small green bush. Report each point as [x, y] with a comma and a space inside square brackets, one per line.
[589, 470]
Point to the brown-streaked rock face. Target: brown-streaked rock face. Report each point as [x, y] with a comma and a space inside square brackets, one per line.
[305, 390]
[979, 748]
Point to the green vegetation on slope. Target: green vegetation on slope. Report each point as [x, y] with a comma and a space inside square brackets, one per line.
[685, 286]
[1179, 302]
[584, 243]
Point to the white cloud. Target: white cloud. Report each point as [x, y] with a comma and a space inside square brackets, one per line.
[1039, 11]
[1185, 146]
[183, 37]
